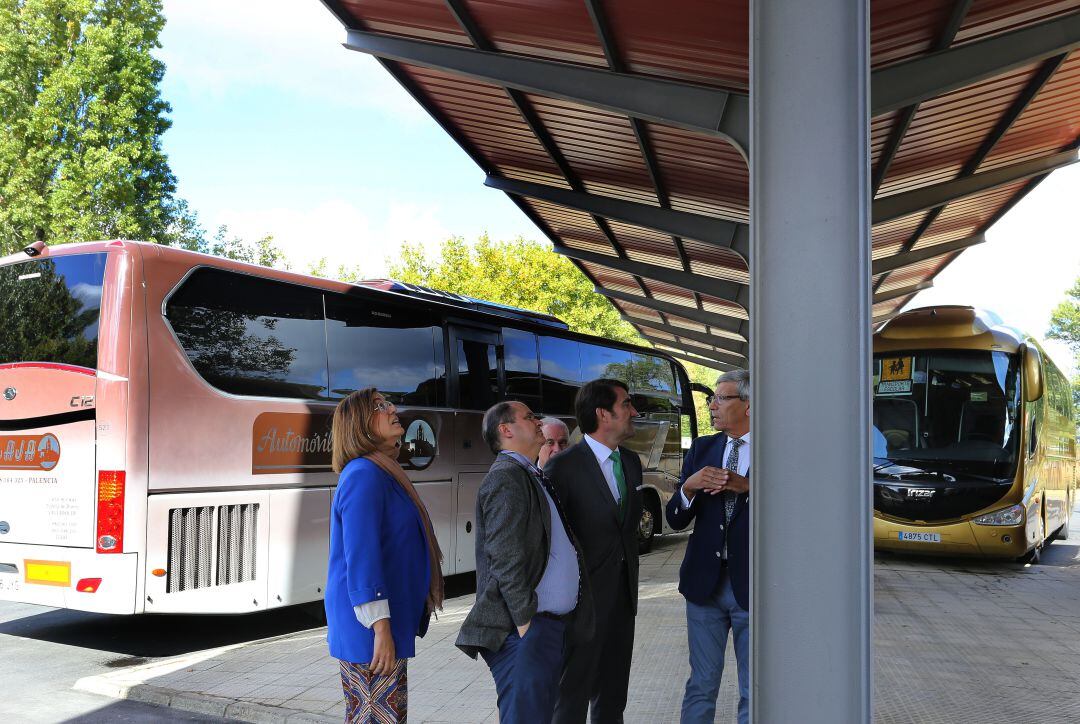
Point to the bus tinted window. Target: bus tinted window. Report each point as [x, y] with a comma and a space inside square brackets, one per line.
[597, 362]
[652, 374]
[560, 372]
[251, 336]
[374, 345]
[49, 310]
[521, 366]
[478, 374]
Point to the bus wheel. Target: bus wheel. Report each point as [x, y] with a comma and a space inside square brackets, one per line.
[1032, 557]
[647, 524]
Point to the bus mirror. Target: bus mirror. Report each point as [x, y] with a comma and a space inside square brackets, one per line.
[1033, 377]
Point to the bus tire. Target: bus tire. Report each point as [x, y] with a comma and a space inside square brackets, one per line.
[650, 518]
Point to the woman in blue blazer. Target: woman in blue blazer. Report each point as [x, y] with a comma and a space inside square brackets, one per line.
[384, 577]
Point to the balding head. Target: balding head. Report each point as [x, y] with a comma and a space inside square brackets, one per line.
[556, 438]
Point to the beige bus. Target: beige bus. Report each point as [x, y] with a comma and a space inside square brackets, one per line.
[164, 441]
[975, 440]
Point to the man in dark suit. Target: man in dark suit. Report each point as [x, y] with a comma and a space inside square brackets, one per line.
[598, 483]
[715, 573]
[530, 574]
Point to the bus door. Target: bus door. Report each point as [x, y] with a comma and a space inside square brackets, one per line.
[476, 383]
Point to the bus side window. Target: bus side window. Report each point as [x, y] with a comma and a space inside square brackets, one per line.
[395, 349]
[520, 363]
[560, 374]
[252, 336]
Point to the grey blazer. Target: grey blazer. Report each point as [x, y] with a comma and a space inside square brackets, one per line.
[513, 540]
[606, 541]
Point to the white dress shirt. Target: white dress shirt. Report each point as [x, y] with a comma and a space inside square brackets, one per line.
[368, 613]
[743, 466]
[607, 465]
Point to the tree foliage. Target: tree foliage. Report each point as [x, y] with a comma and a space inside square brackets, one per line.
[520, 273]
[81, 119]
[1065, 326]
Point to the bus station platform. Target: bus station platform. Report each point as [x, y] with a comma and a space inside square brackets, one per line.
[955, 641]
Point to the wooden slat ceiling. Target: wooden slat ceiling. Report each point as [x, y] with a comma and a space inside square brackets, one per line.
[1026, 113]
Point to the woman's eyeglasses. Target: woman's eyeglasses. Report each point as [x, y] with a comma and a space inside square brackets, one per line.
[383, 406]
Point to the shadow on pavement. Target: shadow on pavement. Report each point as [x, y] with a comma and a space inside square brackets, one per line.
[147, 636]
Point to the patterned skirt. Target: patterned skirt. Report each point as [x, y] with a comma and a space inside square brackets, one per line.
[372, 699]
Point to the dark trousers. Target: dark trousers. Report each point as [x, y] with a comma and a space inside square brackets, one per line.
[526, 672]
[597, 671]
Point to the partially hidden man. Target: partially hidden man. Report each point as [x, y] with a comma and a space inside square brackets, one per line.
[715, 573]
[598, 483]
[531, 588]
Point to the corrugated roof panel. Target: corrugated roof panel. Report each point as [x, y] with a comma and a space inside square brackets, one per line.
[646, 246]
[702, 174]
[887, 238]
[1050, 122]
[484, 115]
[965, 217]
[554, 29]
[575, 228]
[599, 147]
[881, 129]
[903, 29]
[947, 131]
[712, 255]
[704, 43]
[991, 17]
[423, 19]
[636, 310]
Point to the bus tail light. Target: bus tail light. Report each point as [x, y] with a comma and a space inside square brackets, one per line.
[88, 585]
[110, 511]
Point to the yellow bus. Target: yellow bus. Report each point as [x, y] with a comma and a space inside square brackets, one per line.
[974, 437]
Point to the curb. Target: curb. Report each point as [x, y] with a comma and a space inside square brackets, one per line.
[205, 704]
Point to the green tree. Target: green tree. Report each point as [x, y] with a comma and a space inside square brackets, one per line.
[519, 273]
[81, 120]
[1065, 326]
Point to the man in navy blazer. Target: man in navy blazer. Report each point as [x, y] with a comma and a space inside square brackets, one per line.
[715, 573]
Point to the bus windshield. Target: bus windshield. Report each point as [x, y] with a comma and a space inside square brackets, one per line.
[953, 412]
[49, 310]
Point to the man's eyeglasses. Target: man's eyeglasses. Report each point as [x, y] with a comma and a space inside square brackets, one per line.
[709, 399]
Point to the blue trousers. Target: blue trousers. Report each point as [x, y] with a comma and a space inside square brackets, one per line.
[526, 672]
[707, 632]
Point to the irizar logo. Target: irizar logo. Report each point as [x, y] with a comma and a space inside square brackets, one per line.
[921, 493]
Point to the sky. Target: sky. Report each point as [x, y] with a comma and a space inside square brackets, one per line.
[278, 129]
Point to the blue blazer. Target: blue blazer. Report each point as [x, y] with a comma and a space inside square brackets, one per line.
[377, 551]
[701, 571]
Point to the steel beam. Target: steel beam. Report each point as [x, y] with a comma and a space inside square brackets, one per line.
[907, 258]
[722, 357]
[710, 229]
[929, 197]
[731, 291]
[703, 361]
[891, 294]
[694, 107]
[810, 406]
[729, 345]
[733, 325]
[938, 73]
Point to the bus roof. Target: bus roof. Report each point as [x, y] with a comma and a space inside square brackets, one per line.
[949, 326]
[460, 300]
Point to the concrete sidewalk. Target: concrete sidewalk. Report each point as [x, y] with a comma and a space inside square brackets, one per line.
[955, 642]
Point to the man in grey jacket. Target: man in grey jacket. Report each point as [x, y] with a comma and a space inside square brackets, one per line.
[529, 572]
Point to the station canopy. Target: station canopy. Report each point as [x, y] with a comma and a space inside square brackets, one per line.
[621, 129]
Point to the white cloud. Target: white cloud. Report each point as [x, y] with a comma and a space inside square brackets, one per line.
[341, 231]
[1029, 261]
[213, 47]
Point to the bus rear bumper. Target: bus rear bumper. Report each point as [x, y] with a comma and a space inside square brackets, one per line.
[53, 575]
[953, 539]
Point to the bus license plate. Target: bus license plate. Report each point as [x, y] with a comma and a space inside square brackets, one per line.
[10, 583]
[918, 537]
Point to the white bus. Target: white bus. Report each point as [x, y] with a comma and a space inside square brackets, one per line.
[164, 423]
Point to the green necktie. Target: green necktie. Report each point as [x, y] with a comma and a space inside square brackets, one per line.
[620, 480]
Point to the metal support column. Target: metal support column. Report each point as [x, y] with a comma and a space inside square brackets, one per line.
[810, 361]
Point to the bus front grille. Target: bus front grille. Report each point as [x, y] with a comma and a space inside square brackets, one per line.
[236, 543]
[189, 548]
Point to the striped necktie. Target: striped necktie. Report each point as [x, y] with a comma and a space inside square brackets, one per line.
[733, 466]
